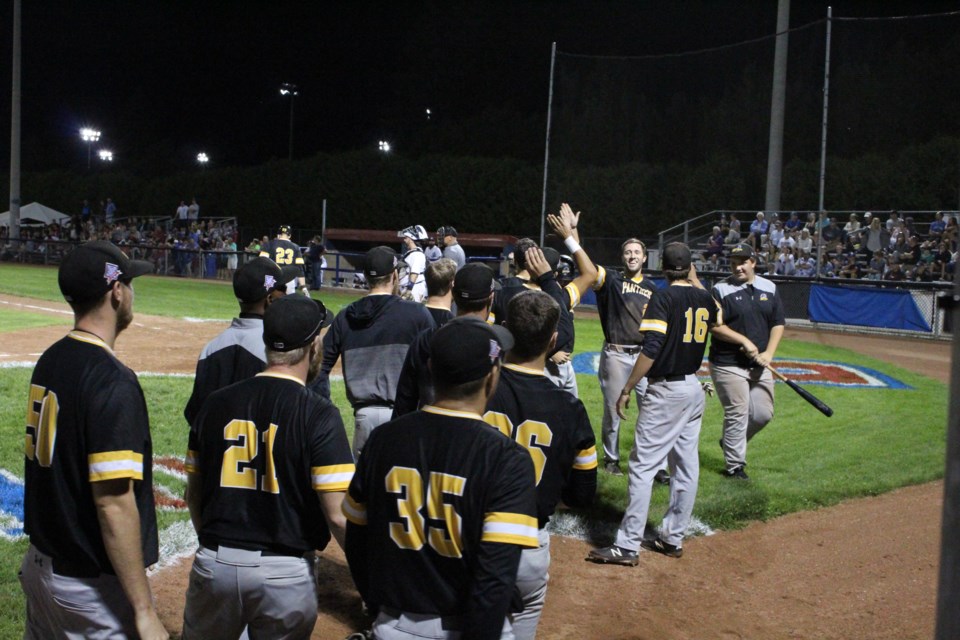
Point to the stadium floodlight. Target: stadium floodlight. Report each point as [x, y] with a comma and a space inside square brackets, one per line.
[384, 146]
[203, 159]
[429, 113]
[89, 136]
[288, 89]
[106, 155]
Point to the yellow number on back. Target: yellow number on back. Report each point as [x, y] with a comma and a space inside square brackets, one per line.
[696, 330]
[408, 484]
[237, 470]
[41, 425]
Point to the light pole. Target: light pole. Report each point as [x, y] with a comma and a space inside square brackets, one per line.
[287, 89]
[105, 155]
[384, 146]
[203, 159]
[89, 136]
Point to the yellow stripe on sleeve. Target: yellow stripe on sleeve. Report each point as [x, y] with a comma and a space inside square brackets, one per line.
[335, 477]
[191, 464]
[586, 459]
[510, 528]
[111, 465]
[355, 512]
[656, 326]
[601, 279]
[264, 254]
[574, 294]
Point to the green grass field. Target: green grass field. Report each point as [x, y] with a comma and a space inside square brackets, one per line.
[878, 439]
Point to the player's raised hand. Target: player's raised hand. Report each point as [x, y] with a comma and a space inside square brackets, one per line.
[567, 213]
[537, 265]
[559, 226]
[623, 403]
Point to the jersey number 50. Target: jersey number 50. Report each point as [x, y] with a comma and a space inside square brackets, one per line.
[42, 413]
[413, 532]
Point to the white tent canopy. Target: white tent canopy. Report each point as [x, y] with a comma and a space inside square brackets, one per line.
[35, 213]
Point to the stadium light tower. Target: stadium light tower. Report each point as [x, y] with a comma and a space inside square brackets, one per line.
[384, 146]
[203, 159]
[287, 89]
[106, 155]
[89, 136]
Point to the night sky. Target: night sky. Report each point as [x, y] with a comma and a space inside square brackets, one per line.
[175, 78]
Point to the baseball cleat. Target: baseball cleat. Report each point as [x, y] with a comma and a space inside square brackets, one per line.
[613, 468]
[614, 555]
[660, 546]
[662, 477]
[737, 473]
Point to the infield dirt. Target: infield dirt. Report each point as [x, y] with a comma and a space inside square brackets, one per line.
[866, 568]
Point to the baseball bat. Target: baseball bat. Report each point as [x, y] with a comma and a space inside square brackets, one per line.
[820, 405]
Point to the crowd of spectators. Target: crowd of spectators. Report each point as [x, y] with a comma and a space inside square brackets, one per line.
[200, 248]
[898, 249]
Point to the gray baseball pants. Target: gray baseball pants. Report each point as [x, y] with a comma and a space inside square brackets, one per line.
[72, 608]
[365, 420]
[614, 371]
[532, 576]
[563, 376]
[747, 399]
[398, 625]
[272, 596]
[668, 429]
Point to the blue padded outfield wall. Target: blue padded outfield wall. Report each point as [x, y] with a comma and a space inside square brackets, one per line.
[866, 307]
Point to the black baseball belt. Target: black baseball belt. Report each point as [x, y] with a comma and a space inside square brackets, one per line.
[629, 349]
[679, 378]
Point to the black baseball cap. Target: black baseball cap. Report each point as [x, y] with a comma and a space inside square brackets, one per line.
[466, 349]
[287, 273]
[89, 271]
[473, 281]
[254, 280]
[380, 261]
[284, 230]
[742, 251]
[292, 322]
[447, 231]
[552, 257]
[676, 257]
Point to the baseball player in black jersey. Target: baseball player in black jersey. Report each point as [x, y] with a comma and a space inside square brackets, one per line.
[473, 288]
[372, 335]
[441, 504]
[287, 254]
[88, 495]
[752, 307]
[268, 464]
[622, 298]
[238, 352]
[554, 427]
[559, 366]
[534, 272]
[439, 277]
[675, 328]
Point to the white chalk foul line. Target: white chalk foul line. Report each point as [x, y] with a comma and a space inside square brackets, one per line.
[36, 307]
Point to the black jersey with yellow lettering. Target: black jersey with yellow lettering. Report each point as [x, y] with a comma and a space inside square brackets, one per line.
[262, 448]
[553, 426]
[283, 252]
[86, 422]
[621, 302]
[438, 511]
[675, 329]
